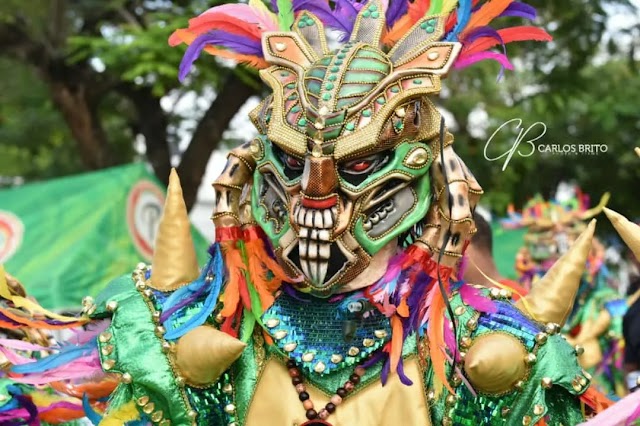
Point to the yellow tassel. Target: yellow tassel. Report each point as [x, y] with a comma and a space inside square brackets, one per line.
[30, 306]
[121, 415]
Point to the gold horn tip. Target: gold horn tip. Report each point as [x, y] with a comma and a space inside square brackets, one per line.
[174, 258]
[637, 151]
[628, 231]
[204, 353]
[551, 298]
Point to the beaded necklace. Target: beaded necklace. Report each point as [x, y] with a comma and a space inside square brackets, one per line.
[318, 418]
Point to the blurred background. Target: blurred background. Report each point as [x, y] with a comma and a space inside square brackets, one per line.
[87, 85]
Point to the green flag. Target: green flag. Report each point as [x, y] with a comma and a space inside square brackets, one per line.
[66, 238]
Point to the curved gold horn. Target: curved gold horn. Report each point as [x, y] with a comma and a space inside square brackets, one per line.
[174, 258]
[629, 231]
[597, 209]
[551, 298]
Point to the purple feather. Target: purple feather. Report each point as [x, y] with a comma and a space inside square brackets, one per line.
[520, 10]
[397, 9]
[480, 32]
[321, 10]
[167, 313]
[239, 44]
[401, 375]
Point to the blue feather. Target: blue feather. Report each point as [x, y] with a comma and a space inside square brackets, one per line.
[199, 318]
[66, 355]
[89, 412]
[464, 14]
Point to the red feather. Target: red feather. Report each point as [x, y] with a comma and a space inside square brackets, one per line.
[221, 21]
[508, 35]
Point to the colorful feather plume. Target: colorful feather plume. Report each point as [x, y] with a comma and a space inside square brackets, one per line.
[22, 312]
[410, 296]
[234, 31]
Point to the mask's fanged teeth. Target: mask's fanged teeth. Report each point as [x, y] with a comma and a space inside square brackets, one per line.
[328, 219]
[304, 232]
[308, 219]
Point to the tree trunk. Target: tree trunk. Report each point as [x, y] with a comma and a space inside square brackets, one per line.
[152, 123]
[233, 94]
[83, 121]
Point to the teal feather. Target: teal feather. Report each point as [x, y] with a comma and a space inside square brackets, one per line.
[285, 15]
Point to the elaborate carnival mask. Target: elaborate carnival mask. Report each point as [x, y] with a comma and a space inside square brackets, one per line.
[343, 157]
[553, 226]
[341, 170]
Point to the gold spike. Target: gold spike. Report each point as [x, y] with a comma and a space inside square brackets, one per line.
[194, 357]
[630, 232]
[551, 298]
[637, 151]
[174, 257]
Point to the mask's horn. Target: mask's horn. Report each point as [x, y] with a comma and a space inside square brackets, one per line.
[174, 258]
[629, 231]
[551, 298]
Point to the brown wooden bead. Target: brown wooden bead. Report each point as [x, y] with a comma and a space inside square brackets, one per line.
[342, 392]
[354, 378]
[330, 407]
[296, 380]
[312, 414]
[303, 396]
[294, 372]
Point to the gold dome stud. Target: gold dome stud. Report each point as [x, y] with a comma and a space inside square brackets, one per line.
[495, 362]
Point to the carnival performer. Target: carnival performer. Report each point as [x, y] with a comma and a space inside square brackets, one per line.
[328, 298]
[595, 322]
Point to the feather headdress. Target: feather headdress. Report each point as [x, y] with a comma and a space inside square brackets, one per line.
[234, 31]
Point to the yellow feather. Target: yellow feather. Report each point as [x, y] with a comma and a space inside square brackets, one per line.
[262, 8]
[121, 415]
[448, 6]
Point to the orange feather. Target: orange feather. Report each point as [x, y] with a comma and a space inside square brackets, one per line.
[185, 36]
[487, 13]
[396, 342]
[399, 29]
[233, 261]
[435, 332]
[93, 390]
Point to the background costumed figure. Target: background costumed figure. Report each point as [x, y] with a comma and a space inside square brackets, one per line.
[328, 298]
[595, 322]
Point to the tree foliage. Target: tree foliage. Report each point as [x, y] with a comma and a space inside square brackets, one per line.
[84, 81]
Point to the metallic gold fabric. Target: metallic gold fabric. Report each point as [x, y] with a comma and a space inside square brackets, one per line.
[551, 298]
[630, 232]
[495, 362]
[204, 353]
[174, 257]
[277, 400]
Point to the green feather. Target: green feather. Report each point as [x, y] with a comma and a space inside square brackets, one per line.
[435, 7]
[285, 15]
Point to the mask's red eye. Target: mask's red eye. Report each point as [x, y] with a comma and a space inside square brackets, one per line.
[293, 162]
[360, 166]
